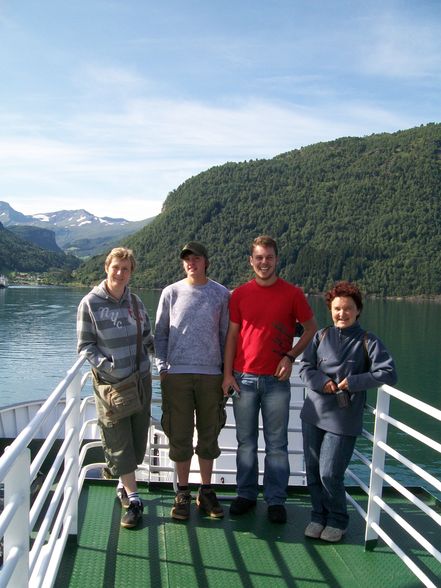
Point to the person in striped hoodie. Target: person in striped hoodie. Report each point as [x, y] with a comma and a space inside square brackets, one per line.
[107, 333]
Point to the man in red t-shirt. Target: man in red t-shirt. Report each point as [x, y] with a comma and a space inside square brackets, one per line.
[257, 364]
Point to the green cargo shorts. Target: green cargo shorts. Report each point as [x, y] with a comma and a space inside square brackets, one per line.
[183, 395]
[125, 442]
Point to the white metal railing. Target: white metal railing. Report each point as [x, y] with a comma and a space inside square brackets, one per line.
[378, 477]
[35, 535]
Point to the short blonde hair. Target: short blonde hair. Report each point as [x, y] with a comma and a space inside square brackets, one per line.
[120, 253]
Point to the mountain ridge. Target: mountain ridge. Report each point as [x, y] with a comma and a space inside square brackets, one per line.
[367, 209]
[76, 231]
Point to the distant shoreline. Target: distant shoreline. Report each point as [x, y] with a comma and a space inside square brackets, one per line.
[417, 298]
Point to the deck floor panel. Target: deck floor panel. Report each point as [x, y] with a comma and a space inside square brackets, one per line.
[245, 551]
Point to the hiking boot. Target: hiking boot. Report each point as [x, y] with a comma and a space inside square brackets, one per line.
[332, 534]
[207, 500]
[133, 515]
[277, 514]
[241, 505]
[181, 505]
[122, 495]
[314, 530]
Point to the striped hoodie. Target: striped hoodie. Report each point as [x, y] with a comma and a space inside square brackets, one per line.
[107, 333]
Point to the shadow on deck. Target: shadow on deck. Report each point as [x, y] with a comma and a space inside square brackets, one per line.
[247, 551]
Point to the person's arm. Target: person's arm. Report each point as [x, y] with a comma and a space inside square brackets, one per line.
[87, 339]
[223, 324]
[284, 368]
[310, 372]
[230, 352]
[162, 329]
[380, 371]
[147, 334]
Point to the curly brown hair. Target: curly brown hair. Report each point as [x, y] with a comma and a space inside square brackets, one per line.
[347, 289]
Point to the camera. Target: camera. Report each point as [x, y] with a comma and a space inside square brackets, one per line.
[232, 393]
[342, 398]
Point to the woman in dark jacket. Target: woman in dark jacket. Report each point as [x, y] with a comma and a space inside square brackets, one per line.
[339, 365]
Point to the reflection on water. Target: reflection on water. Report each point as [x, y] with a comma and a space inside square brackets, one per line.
[38, 338]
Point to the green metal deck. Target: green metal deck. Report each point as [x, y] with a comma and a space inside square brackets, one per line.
[246, 551]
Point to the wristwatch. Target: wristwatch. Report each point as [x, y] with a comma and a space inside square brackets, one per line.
[290, 357]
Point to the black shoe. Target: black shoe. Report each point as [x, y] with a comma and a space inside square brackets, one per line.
[241, 505]
[277, 514]
[133, 515]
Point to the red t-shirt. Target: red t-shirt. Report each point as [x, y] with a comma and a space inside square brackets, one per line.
[267, 316]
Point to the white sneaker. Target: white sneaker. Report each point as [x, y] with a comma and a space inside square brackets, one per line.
[332, 534]
[314, 530]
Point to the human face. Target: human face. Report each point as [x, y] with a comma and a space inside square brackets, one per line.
[195, 268]
[118, 275]
[344, 311]
[264, 261]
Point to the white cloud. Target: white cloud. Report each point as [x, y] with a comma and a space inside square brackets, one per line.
[125, 164]
[402, 47]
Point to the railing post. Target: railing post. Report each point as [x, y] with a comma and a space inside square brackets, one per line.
[16, 488]
[73, 451]
[378, 461]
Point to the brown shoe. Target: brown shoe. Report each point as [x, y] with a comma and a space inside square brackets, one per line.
[181, 505]
[207, 501]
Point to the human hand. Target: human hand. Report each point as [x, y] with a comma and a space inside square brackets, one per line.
[330, 387]
[229, 382]
[284, 369]
[344, 385]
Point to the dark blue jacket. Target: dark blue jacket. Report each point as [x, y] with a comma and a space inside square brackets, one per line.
[339, 354]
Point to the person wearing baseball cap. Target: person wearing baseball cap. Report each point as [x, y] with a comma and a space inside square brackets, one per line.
[191, 327]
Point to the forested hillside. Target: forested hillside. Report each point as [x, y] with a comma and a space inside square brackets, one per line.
[19, 255]
[365, 209]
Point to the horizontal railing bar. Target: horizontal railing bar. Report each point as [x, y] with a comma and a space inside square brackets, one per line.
[357, 507]
[9, 511]
[49, 518]
[413, 402]
[47, 445]
[39, 578]
[404, 558]
[9, 565]
[49, 479]
[27, 434]
[408, 528]
[354, 477]
[411, 432]
[411, 497]
[416, 469]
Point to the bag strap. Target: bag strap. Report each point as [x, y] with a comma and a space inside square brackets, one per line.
[138, 335]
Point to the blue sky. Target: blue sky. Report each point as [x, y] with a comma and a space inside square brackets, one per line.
[109, 105]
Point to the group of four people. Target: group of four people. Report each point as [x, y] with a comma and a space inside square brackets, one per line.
[210, 345]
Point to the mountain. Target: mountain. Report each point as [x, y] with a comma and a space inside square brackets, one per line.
[366, 209]
[76, 231]
[43, 238]
[18, 255]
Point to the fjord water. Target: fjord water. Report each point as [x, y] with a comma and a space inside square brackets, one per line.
[38, 345]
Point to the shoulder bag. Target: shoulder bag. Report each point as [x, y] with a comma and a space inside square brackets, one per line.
[123, 399]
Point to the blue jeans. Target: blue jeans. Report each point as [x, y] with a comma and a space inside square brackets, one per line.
[272, 397]
[327, 456]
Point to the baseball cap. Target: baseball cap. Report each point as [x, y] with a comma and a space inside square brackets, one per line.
[194, 248]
